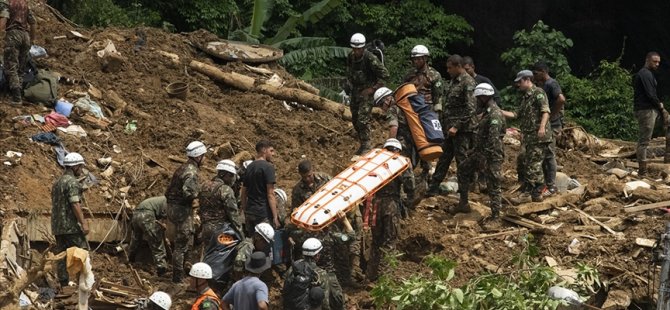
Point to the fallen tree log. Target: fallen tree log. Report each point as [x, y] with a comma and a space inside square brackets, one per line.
[247, 83]
[121, 106]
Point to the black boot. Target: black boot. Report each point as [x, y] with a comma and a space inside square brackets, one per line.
[463, 203]
[160, 271]
[642, 171]
[363, 148]
[16, 96]
[536, 193]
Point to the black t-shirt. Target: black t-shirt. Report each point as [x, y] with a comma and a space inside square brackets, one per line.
[553, 90]
[259, 174]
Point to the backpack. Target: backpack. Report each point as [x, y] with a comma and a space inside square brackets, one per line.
[376, 47]
[44, 89]
[297, 285]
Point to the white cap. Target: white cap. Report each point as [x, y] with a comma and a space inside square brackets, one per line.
[201, 270]
[161, 299]
[195, 149]
[73, 159]
[226, 165]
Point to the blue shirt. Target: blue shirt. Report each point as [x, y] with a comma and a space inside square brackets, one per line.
[246, 293]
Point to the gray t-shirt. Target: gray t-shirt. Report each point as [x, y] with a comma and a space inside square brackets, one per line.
[246, 293]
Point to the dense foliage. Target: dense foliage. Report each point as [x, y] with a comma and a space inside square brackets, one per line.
[523, 285]
[600, 102]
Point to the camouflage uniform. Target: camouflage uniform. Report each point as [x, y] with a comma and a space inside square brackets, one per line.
[396, 117]
[181, 192]
[363, 73]
[145, 227]
[300, 193]
[533, 105]
[348, 259]
[429, 83]
[385, 227]
[489, 145]
[17, 40]
[218, 206]
[332, 291]
[459, 112]
[244, 250]
[64, 224]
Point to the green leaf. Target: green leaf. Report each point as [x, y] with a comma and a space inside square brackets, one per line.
[261, 13]
[322, 52]
[458, 293]
[312, 15]
[496, 293]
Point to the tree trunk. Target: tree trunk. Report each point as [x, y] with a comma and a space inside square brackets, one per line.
[243, 82]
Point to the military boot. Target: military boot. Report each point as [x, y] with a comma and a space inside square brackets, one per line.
[463, 203]
[363, 148]
[642, 170]
[16, 96]
[536, 193]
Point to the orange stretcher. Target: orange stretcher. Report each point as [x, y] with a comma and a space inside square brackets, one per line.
[350, 187]
[427, 150]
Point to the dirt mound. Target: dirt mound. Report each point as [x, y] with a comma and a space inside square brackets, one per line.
[218, 115]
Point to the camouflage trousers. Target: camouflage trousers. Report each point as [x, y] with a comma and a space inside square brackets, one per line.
[63, 242]
[493, 174]
[17, 45]
[529, 163]
[183, 243]
[361, 109]
[408, 178]
[549, 165]
[347, 258]
[333, 297]
[384, 233]
[146, 229]
[459, 146]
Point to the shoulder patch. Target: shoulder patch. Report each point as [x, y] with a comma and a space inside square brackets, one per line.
[438, 83]
[494, 122]
[539, 96]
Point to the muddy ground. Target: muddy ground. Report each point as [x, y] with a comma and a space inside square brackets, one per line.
[217, 114]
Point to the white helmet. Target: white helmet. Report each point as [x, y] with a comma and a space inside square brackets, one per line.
[266, 231]
[282, 194]
[195, 149]
[246, 163]
[380, 94]
[201, 270]
[357, 40]
[161, 299]
[484, 89]
[73, 159]
[311, 247]
[392, 142]
[226, 165]
[419, 51]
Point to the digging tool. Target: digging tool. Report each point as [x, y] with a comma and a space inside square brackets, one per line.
[664, 287]
[569, 296]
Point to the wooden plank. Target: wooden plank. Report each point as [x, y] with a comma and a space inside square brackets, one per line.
[502, 233]
[656, 205]
[119, 287]
[586, 228]
[644, 242]
[531, 207]
[525, 222]
[596, 221]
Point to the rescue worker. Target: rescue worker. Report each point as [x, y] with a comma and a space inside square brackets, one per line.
[200, 274]
[258, 202]
[533, 113]
[18, 25]
[147, 227]
[181, 194]
[398, 128]
[458, 124]
[260, 240]
[250, 293]
[428, 82]
[218, 204]
[385, 206]
[159, 301]
[282, 201]
[489, 144]
[67, 219]
[556, 101]
[333, 296]
[365, 74]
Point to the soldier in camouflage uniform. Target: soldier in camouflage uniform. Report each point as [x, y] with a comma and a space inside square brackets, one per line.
[365, 73]
[261, 240]
[428, 82]
[67, 219]
[18, 22]
[146, 226]
[218, 204]
[489, 144]
[533, 113]
[399, 129]
[385, 206]
[458, 124]
[314, 254]
[181, 197]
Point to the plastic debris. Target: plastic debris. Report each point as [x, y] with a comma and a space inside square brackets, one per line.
[12, 154]
[130, 127]
[631, 186]
[37, 51]
[573, 247]
[87, 104]
[74, 130]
